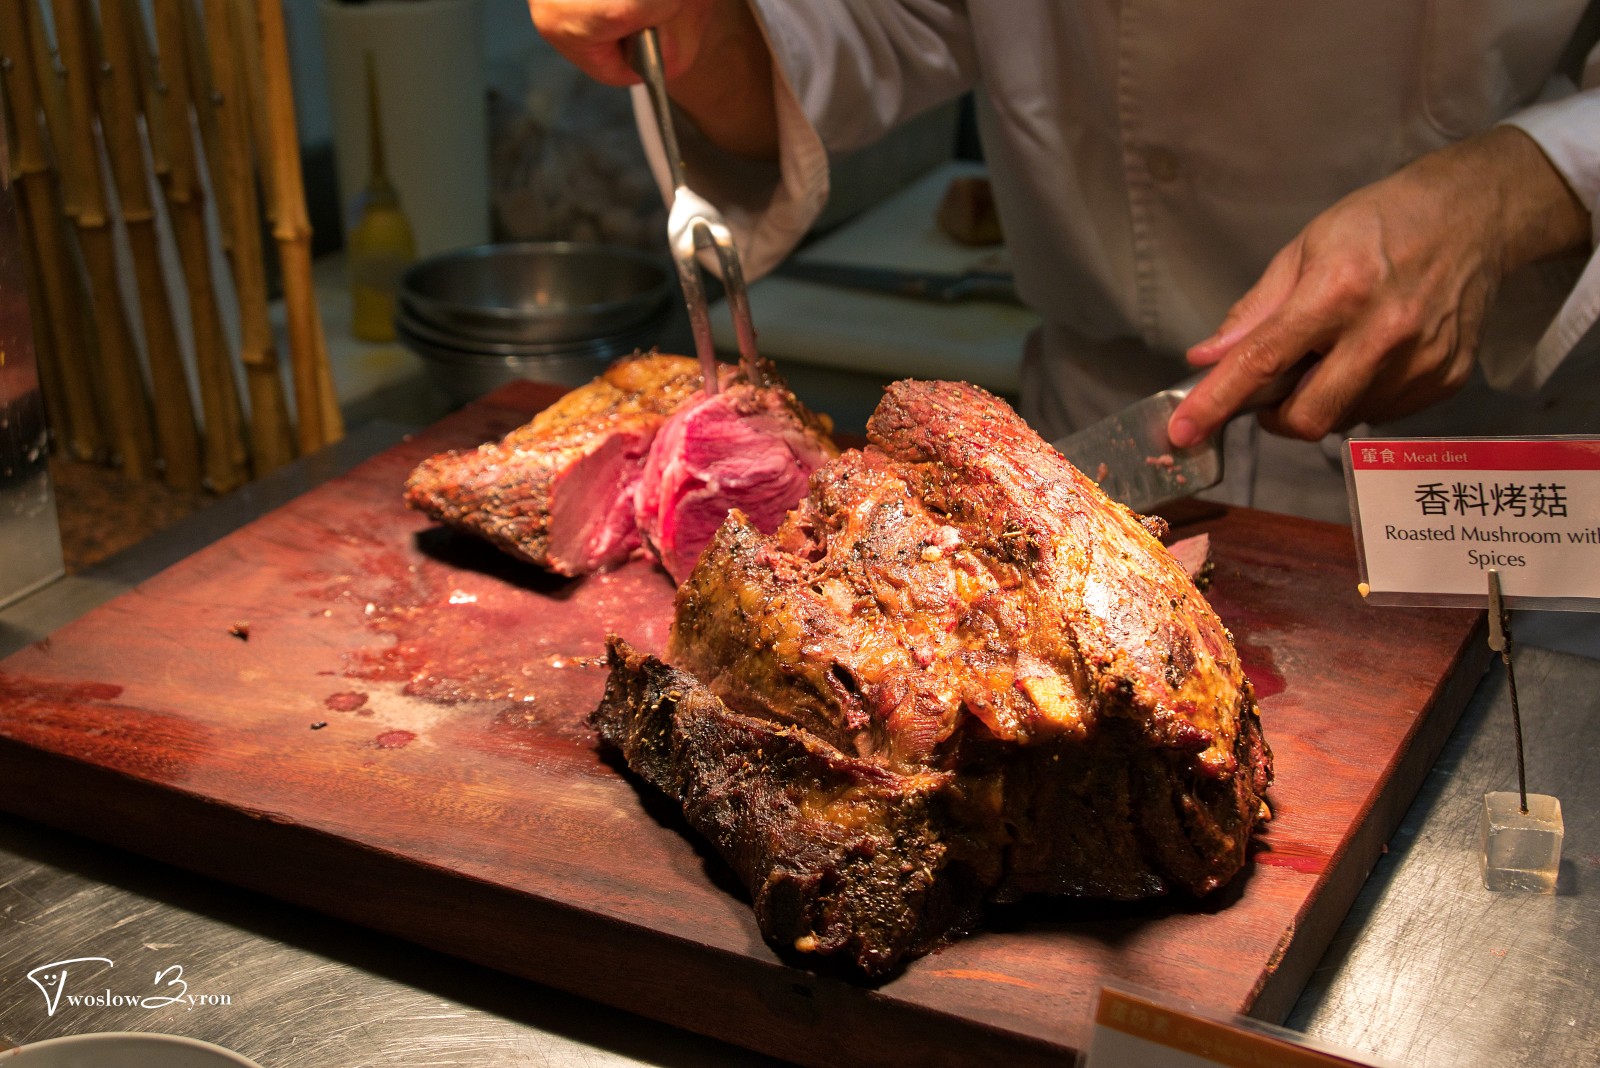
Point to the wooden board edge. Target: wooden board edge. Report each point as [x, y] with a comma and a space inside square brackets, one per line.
[768, 1007]
[1306, 944]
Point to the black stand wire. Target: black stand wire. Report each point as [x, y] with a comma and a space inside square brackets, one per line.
[1500, 642]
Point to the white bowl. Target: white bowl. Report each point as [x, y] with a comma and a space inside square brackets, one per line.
[123, 1049]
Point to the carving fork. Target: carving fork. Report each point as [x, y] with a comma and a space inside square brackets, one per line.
[692, 224]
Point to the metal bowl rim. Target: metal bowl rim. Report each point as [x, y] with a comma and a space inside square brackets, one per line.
[443, 352]
[407, 321]
[469, 331]
[659, 292]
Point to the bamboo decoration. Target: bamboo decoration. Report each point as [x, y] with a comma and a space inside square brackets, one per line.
[320, 421]
[60, 291]
[48, 80]
[203, 91]
[207, 94]
[179, 442]
[150, 98]
[246, 20]
[127, 407]
[226, 458]
[270, 436]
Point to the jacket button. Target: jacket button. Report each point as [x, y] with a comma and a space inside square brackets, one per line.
[1162, 164]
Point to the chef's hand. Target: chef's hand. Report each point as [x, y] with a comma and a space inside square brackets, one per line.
[591, 33]
[1390, 285]
[716, 60]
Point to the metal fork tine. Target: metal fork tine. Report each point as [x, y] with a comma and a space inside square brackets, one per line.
[738, 303]
[694, 296]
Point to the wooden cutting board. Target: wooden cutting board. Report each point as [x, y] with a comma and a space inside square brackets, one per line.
[344, 706]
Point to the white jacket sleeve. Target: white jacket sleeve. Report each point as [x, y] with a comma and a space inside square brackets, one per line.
[1568, 131]
[846, 73]
[860, 67]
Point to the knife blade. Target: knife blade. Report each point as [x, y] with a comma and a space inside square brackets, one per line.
[937, 286]
[1130, 455]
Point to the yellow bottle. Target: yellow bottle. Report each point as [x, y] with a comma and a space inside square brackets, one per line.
[380, 245]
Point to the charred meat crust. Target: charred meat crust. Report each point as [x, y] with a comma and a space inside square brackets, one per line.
[841, 856]
[1121, 597]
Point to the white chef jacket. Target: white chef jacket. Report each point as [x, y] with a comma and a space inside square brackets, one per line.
[1150, 156]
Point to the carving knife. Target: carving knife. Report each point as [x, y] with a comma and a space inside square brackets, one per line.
[1133, 460]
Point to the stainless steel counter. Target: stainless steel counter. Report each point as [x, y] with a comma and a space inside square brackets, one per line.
[1429, 969]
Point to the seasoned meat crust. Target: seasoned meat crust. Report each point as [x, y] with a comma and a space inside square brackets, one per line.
[841, 855]
[957, 601]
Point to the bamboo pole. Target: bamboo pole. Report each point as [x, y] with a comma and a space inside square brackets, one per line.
[61, 293]
[227, 461]
[127, 406]
[320, 421]
[246, 25]
[49, 79]
[203, 91]
[176, 436]
[151, 89]
[270, 435]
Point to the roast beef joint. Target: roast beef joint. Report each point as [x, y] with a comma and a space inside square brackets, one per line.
[955, 674]
[903, 682]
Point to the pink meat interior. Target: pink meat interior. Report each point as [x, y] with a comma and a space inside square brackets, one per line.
[743, 448]
[594, 525]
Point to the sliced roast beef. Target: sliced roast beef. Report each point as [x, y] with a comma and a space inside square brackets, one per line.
[748, 447]
[639, 452]
[957, 601]
[1194, 556]
[558, 492]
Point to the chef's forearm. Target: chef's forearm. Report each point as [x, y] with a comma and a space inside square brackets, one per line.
[728, 89]
[1543, 216]
[1567, 131]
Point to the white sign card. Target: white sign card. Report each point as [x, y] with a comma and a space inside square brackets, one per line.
[1153, 1031]
[1432, 516]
